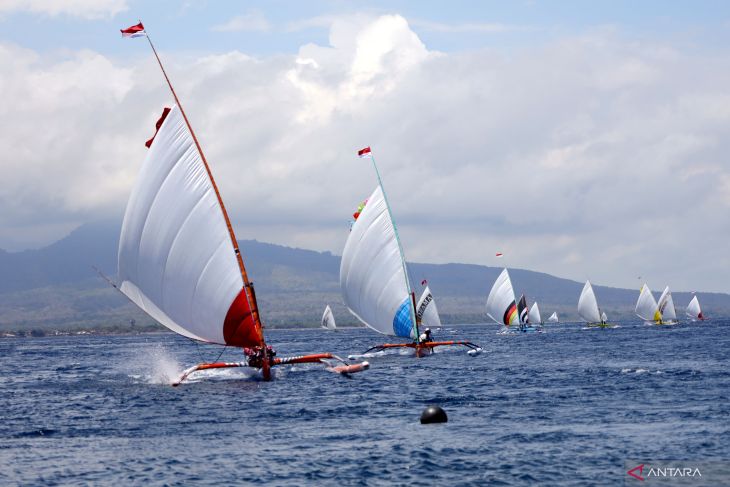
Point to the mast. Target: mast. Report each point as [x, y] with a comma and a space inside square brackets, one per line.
[411, 296]
[248, 286]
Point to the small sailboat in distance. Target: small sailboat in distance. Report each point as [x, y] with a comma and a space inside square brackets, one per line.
[666, 308]
[426, 310]
[534, 314]
[374, 277]
[694, 311]
[588, 309]
[554, 317]
[501, 305]
[328, 319]
[646, 307]
[178, 258]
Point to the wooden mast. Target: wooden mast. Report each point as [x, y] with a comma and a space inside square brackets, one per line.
[250, 295]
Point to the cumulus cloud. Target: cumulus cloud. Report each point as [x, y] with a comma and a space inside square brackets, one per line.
[593, 156]
[85, 9]
[253, 20]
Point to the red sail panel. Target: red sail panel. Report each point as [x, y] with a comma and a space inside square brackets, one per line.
[239, 328]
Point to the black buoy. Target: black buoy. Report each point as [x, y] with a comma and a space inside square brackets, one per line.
[433, 414]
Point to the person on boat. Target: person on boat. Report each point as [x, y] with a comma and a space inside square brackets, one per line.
[256, 356]
[426, 336]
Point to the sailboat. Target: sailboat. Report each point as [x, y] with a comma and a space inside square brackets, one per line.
[178, 257]
[501, 305]
[694, 311]
[666, 308]
[374, 277]
[328, 319]
[426, 310]
[534, 315]
[588, 309]
[646, 307]
[554, 317]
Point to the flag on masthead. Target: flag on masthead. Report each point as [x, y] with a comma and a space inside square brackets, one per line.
[134, 31]
[364, 152]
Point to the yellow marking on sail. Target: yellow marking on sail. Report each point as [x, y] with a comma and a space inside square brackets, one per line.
[657, 317]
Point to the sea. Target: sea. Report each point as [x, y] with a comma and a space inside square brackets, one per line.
[570, 406]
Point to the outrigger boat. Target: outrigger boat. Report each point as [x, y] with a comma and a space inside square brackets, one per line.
[666, 308]
[588, 309]
[554, 317]
[648, 310]
[179, 259]
[328, 319]
[501, 303]
[374, 277]
[529, 323]
[694, 311]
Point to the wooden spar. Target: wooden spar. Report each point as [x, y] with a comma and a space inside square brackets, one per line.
[250, 295]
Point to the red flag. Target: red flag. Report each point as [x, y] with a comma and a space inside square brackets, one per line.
[364, 152]
[134, 31]
[158, 125]
[498, 254]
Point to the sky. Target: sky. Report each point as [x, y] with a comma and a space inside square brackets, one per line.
[589, 141]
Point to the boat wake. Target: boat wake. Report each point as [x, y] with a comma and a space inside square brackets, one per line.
[154, 366]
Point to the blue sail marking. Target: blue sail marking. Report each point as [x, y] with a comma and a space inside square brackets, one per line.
[402, 324]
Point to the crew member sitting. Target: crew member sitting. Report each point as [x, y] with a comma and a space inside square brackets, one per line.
[426, 336]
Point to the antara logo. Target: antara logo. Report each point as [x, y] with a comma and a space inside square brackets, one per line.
[638, 472]
[633, 473]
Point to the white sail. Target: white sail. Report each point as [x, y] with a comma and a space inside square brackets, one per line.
[646, 307]
[588, 306]
[666, 306]
[176, 257]
[604, 318]
[328, 319]
[372, 275]
[501, 306]
[554, 317]
[426, 310]
[534, 314]
[693, 309]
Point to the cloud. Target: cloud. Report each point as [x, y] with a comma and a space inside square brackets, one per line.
[482, 27]
[254, 21]
[85, 9]
[591, 156]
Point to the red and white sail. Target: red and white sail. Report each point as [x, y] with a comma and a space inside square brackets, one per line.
[177, 261]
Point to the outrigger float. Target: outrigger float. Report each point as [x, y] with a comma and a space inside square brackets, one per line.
[374, 278]
[179, 259]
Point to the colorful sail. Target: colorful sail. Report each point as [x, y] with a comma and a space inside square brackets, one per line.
[176, 256]
[554, 317]
[646, 307]
[373, 274]
[534, 314]
[426, 310]
[693, 309]
[588, 306]
[522, 310]
[501, 305]
[328, 319]
[666, 307]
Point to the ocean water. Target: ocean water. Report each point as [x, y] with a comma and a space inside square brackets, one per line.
[566, 407]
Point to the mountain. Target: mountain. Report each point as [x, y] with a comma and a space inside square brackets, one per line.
[55, 287]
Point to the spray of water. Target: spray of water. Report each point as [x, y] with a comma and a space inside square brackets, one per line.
[154, 365]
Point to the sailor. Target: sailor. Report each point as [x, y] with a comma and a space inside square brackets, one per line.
[426, 336]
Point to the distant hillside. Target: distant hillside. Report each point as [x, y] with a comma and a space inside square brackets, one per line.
[55, 287]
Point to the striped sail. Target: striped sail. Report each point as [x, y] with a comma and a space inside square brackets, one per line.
[372, 272]
[534, 314]
[666, 306]
[328, 319]
[554, 317]
[501, 305]
[588, 306]
[693, 309]
[646, 307]
[176, 258]
[426, 310]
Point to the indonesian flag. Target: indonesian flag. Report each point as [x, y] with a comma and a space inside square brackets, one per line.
[499, 254]
[134, 31]
[364, 152]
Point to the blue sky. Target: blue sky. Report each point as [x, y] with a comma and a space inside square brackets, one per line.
[588, 140]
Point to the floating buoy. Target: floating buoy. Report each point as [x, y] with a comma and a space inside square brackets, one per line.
[433, 414]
